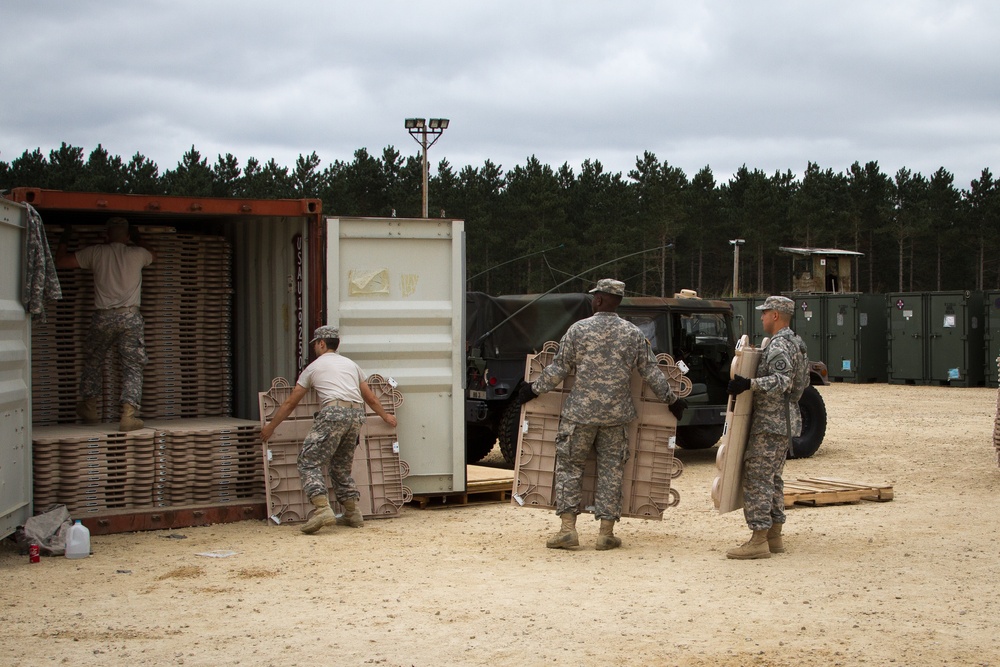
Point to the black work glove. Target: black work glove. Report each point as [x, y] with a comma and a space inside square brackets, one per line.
[67, 234]
[526, 393]
[738, 385]
[677, 408]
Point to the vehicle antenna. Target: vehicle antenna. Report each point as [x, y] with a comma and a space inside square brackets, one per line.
[516, 259]
[570, 279]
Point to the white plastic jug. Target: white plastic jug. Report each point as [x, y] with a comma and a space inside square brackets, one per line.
[78, 541]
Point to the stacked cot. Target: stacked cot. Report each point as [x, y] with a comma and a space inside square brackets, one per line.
[169, 464]
[187, 299]
[651, 467]
[187, 307]
[377, 470]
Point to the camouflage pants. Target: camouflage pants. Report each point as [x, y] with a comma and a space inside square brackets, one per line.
[573, 444]
[763, 488]
[330, 445]
[124, 331]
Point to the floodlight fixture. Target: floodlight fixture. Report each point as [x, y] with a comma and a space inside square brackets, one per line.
[419, 129]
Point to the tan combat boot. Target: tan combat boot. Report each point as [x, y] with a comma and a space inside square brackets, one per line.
[323, 516]
[86, 410]
[566, 537]
[351, 516]
[606, 538]
[130, 418]
[774, 543]
[755, 547]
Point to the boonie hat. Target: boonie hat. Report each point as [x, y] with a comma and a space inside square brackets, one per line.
[782, 304]
[610, 286]
[325, 331]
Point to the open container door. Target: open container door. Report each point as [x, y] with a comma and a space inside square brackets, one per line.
[396, 288]
[15, 375]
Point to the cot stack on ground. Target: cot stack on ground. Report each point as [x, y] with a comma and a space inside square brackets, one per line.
[98, 472]
[187, 307]
[727, 488]
[378, 471]
[651, 467]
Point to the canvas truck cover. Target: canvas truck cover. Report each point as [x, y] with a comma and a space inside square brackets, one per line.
[536, 320]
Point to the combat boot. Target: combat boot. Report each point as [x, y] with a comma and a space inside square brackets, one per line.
[755, 547]
[567, 536]
[323, 516]
[130, 418]
[606, 538]
[774, 542]
[86, 410]
[351, 516]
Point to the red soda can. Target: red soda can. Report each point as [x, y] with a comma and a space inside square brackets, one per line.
[34, 555]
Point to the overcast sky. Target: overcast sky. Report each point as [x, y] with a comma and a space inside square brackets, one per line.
[772, 85]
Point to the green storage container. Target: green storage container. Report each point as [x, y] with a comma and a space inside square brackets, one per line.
[743, 316]
[906, 337]
[955, 338]
[808, 323]
[991, 336]
[855, 338]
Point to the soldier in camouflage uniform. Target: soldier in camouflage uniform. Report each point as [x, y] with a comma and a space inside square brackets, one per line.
[782, 376]
[602, 350]
[117, 266]
[330, 444]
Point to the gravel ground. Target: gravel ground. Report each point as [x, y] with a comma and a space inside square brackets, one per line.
[913, 581]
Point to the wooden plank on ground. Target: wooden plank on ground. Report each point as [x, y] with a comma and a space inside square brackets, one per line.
[878, 492]
[829, 491]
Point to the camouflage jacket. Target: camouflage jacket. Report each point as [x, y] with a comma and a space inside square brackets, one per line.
[782, 376]
[603, 350]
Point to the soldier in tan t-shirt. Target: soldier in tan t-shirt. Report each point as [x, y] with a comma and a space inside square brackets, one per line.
[117, 266]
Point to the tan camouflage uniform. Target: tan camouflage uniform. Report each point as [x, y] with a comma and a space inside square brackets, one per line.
[330, 444]
[782, 375]
[603, 350]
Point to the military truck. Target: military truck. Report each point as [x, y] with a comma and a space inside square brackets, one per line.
[501, 331]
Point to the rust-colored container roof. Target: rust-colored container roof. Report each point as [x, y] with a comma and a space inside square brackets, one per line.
[163, 204]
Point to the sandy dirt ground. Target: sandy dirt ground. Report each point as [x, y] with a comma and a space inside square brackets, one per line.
[914, 581]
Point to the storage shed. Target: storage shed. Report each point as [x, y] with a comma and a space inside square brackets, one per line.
[821, 269]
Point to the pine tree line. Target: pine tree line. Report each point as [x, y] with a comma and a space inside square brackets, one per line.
[540, 226]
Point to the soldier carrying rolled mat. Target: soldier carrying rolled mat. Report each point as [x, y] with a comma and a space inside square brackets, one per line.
[782, 376]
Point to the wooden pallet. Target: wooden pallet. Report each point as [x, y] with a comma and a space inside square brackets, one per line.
[483, 485]
[830, 491]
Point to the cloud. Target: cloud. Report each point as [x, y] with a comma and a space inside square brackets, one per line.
[772, 85]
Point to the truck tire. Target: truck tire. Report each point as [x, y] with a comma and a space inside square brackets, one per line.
[479, 441]
[510, 424]
[699, 436]
[813, 411]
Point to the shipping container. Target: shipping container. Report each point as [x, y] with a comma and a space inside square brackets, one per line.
[15, 373]
[809, 324]
[936, 338]
[855, 337]
[955, 338]
[230, 304]
[396, 288]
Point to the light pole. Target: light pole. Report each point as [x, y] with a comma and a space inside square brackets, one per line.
[736, 243]
[419, 129]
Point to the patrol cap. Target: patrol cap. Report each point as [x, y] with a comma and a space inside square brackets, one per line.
[325, 331]
[610, 286]
[782, 304]
[116, 222]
